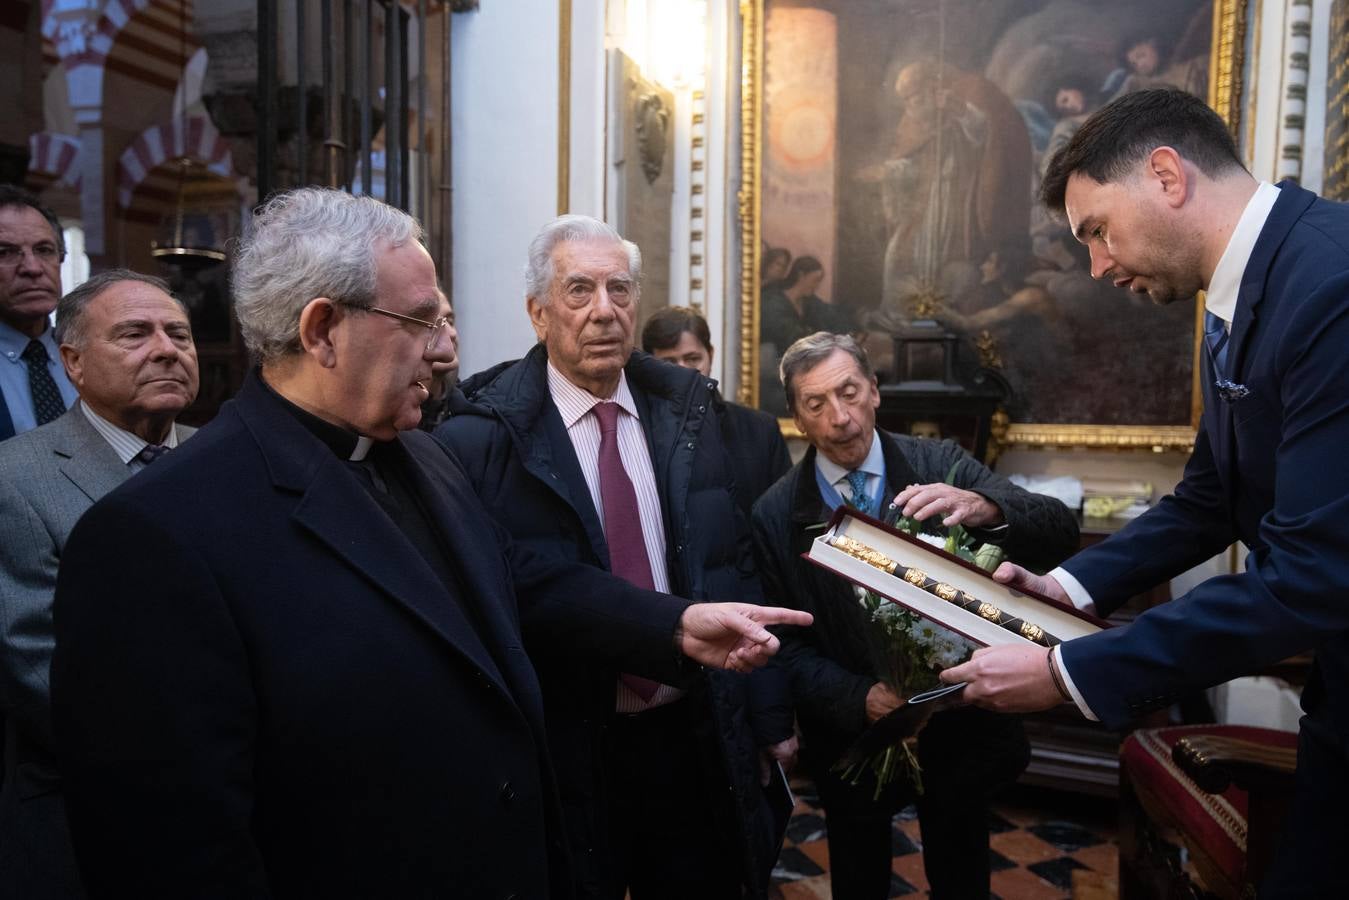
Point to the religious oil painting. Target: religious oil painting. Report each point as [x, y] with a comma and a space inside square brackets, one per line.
[899, 148]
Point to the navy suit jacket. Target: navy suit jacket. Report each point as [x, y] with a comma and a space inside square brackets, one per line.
[260, 688]
[1268, 469]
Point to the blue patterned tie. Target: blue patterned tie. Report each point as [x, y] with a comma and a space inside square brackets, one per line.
[857, 480]
[48, 404]
[1215, 339]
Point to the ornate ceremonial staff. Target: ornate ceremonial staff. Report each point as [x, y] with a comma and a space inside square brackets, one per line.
[918, 578]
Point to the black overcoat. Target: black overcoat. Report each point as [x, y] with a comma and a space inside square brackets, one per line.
[261, 689]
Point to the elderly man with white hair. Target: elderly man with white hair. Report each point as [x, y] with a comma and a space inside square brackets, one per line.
[588, 451]
[289, 657]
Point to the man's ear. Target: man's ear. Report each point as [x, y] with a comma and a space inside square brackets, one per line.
[73, 363]
[1168, 168]
[537, 318]
[318, 320]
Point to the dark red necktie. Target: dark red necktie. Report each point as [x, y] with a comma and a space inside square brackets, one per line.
[622, 524]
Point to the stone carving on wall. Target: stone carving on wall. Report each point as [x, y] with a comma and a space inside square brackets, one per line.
[641, 125]
[652, 116]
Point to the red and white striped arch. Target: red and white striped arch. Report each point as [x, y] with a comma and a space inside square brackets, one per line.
[196, 138]
[97, 39]
[51, 159]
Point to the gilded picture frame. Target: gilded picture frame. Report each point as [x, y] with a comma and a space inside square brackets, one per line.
[1224, 67]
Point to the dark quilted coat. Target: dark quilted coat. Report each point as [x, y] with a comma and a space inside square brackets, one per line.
[507, 433]
[832, 663]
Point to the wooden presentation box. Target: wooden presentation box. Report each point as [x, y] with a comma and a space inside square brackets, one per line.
[1032, 618]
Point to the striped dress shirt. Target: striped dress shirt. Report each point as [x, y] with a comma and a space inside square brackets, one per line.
[125, 444]
[574, 404]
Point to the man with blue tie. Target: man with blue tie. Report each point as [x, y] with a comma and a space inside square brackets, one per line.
[34, 389]
[1153, 186]
[965, 754]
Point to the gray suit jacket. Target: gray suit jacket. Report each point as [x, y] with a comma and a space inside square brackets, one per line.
[48, 478]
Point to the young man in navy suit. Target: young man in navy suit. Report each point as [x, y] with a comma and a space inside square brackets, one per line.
[1153, 186]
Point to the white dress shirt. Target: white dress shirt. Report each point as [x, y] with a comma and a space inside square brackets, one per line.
[1221, 300]
[574, 404]
[124, 443]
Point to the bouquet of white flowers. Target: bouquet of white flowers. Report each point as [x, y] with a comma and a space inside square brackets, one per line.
[914, 650]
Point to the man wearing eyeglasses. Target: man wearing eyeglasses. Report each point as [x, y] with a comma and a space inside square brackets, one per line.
[34, 389]
[289, 657]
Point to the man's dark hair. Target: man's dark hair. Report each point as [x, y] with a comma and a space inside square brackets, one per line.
[11, 195]
[1121, 134]
[801, 266]
[70, 309]
[665, 327]
[811, 350]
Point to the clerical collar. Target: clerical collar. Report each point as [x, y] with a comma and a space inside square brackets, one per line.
[344, 443]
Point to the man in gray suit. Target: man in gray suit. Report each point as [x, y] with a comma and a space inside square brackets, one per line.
[127, 347]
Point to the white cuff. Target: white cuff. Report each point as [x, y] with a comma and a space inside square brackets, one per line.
[1075, 591]
[1057, 661]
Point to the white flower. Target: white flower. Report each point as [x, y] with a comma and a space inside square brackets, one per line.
[935, 540]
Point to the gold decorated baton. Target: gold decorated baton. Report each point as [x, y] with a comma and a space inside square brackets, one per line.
[918, 578]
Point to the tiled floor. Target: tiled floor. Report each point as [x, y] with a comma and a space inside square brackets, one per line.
[1036, 839]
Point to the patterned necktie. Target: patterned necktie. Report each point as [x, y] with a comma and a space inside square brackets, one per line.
[48, 404]
[622, 524]
[1215, 339]
[857, 480]
[151, 452]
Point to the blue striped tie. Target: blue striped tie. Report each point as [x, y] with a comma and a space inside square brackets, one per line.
[1215, 339]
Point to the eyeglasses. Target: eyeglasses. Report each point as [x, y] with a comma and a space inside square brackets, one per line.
[439, 328]
[11, 255]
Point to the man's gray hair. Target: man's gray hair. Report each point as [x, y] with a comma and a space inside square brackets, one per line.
[571, 227]
[812, 350]
[307, 243]
[70, 309]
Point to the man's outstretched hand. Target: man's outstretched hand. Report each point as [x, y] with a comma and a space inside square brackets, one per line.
[732, 635]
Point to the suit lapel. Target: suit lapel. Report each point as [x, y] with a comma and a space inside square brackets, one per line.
[474, 554]
[85, 458]
[1292, 203]
[551, 458]
[338, 512]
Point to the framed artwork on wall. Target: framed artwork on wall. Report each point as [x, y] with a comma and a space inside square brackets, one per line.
[891, 155]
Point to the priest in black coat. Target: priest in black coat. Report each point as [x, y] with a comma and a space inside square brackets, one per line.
[289, 658]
